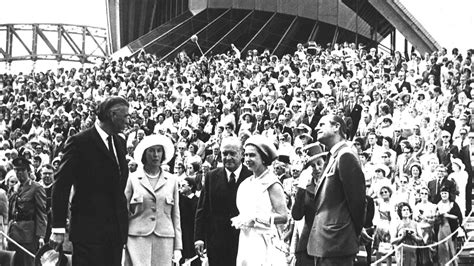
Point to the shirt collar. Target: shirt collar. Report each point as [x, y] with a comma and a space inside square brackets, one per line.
[337, 146]
[103, 135]
[236, 173]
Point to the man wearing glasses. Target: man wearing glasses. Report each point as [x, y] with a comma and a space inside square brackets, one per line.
[446, 150]
[441, 181]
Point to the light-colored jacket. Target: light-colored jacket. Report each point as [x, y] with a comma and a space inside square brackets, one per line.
[154, 210]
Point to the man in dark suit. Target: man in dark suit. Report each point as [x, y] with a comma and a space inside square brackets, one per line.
[217, 205]
[441, 180]
[402, 84]
[446, 150]
[339, 199]
[354, 111]
[27, 122]
[397, 138]
[94, 162]
[466, 155]
[148, 123]
[311, 119]
[214, 158]
[27, 212]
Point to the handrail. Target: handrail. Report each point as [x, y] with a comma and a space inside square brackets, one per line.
[459, 252]
[18, 245]
[421, 247]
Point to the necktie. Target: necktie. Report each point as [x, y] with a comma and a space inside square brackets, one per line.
[111, 147]
[232, 180]
[326, 162]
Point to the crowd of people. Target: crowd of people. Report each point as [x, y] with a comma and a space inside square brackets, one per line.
[409, 120]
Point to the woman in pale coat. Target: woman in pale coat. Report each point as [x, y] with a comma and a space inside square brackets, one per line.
[154, 232]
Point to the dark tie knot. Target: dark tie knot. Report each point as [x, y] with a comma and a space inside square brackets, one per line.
[232, 179]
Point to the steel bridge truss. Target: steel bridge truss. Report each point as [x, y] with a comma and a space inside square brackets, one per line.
[60, 42]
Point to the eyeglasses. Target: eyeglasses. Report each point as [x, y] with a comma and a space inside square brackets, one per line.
[424, 193]
[404, 182]
[445, 137]
[378, 171]
[384, 192]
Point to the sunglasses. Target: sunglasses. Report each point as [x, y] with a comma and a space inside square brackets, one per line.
[384, 192]
[404, 182]
[424, 193]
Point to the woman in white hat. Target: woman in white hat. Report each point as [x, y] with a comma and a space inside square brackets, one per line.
[154, 233]
[261, 203]
[460, 176]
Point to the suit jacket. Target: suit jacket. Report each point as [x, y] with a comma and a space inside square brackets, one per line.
[396, 145]
[312, 123]
[154, 210]
[444, 155]
[187, 209]
[216, 207]
[98, 207]
[304, 207]
[150, 125]
[27, 213]
[465, 156]
[213, 161]
[355, 113]
[434, 194]
[340, 206]
[26, 126]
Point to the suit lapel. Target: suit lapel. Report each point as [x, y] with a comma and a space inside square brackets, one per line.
[161, 182]
[100, 143]
[145, 183]
[328, 171]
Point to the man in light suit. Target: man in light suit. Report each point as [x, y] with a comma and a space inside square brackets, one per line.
[340, 199]
[94, 162]
[217, 205]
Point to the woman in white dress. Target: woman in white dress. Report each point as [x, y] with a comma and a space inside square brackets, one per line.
[460, 176]
[261, 203]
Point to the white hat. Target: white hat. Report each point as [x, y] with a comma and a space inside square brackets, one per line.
[459, 163]
[153, 140]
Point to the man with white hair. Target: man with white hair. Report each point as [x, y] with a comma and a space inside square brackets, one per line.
[217, 204]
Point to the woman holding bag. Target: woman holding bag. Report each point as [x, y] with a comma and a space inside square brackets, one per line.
[154, 232]
[261, 203]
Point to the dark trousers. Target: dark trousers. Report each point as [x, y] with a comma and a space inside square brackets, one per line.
[21, 257]
[93, 254]
[335, 261]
